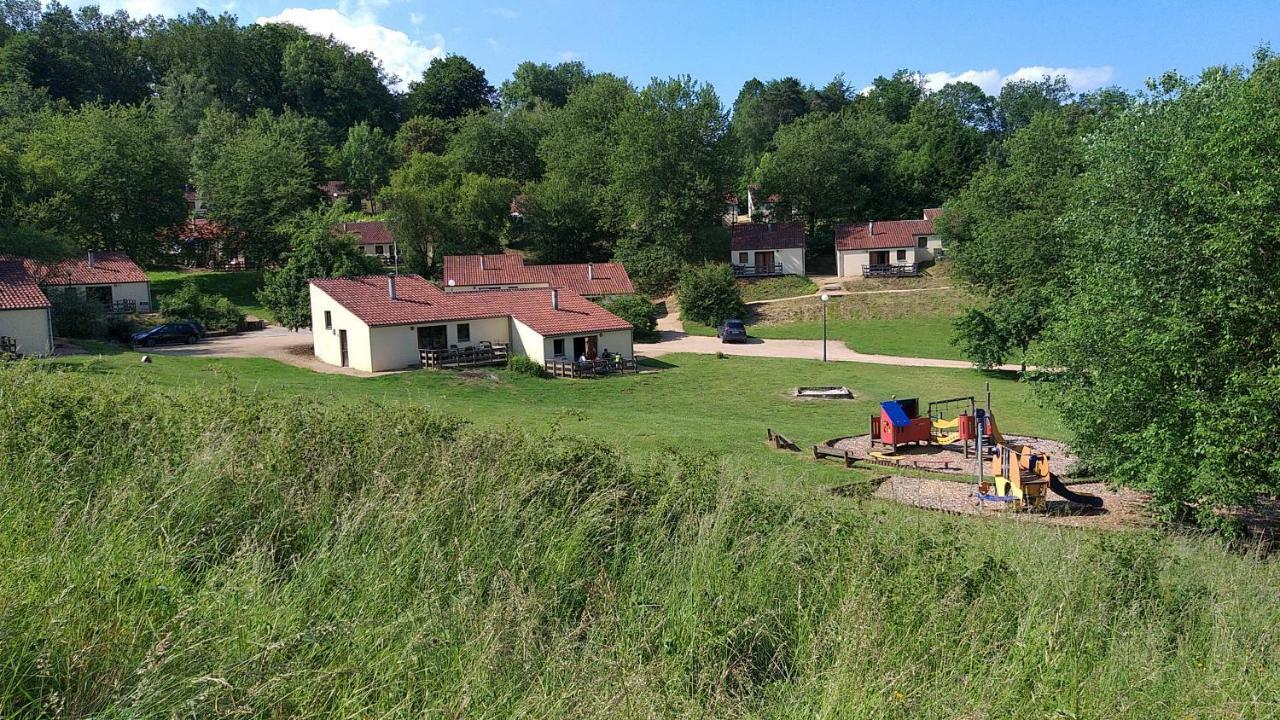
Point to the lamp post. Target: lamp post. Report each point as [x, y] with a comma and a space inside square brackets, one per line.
[824, 298]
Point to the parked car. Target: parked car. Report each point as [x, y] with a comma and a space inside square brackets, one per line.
[731, 331]
[168, 333]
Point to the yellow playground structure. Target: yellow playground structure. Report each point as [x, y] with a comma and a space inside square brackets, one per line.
[1021, 476]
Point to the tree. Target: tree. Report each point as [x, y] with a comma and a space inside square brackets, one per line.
[560, 223]
[1021, 100]
[106, 178]
[450, 87]
[215, 312]
[894, 97]
[501, 144]
[970, 104]
[316, 252]
[935, 155]
[832, 97]
[422, 134]
[637, 310]
[542, 83]
[324, 79]
[1166, 342]
[709, 294]
[1002, 232]
[366, 158]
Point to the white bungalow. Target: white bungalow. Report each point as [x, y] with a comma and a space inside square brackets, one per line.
[889, 248]
[111, 278]
[762, 249]
[25, 322]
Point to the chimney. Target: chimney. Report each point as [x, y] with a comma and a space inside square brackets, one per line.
[344, 226]
[871, 228]
[591, 271]
[391, 286]
[482, 262]
[90, 259]
[555, 299]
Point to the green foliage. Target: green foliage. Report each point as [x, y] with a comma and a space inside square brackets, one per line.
[637, 310]
[1167, 340]
[500, 144]
[422, 134]
[653, 268]
[316, 253]
[450, 87]
[559, 222]
[1022, 100]
[326, 80]
[215, 312]
[543, 84]
[524, 365]
[74, 314]
[709, 294]
[366, 158]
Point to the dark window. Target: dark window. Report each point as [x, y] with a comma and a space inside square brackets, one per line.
[742, 258]
[328, 320]
[377, 249]
[922, 241]
[464, 332]
[433, 337]
[557, 347]
[902, 256]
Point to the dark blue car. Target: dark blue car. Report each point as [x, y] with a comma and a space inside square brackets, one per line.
[181, 332]
[731, 331]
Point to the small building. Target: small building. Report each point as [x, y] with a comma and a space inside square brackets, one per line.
[887, 248]
[111, 278]
[763, 249]
[26, 324]
[468, 273]
[373, 237]
[393, 322]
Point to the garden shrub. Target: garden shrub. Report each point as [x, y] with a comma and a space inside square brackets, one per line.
[215, 312]
[76, 316]
[637, 310]
[709, 294]
[524, 365]
[653, 268]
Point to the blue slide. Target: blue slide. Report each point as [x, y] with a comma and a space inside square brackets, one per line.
[1085, 499]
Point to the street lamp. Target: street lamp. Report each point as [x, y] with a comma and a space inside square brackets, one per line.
[824, 298]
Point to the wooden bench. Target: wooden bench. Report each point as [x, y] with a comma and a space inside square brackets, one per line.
[780, 442]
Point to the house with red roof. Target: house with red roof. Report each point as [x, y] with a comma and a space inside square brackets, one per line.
[111, 278]
[763, 249]
[373, 237]
[887, 248]
[468, 273]
[393, 322]
[26, 324]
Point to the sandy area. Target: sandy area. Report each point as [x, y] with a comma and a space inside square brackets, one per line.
[1121, 509]
[932, 457]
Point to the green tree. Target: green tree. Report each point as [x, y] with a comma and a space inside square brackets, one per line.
[324, 79]
[366, 158]
[893, 97]
[450, 87]
[501, 144]
[709, 294]
[422, 134]
[1021, 100]
[106, 178]
[1166, 342]
[637, 310]
[215, 312]
[560, 223]
[970, 104]
[935, 154]
[542, 83]
[315, 252]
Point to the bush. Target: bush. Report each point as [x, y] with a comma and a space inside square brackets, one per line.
[76, 316]
[215, 312]
[653, 268]
[709, 294]
[637, 310]
[524, 365]
[120, 328]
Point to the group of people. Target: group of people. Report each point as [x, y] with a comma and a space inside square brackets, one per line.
[613, 360]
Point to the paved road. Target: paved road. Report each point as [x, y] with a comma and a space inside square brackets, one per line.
[844, 293]
[673, 342]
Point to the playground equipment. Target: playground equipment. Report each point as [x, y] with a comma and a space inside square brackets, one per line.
[1022, 476]
[900, 423]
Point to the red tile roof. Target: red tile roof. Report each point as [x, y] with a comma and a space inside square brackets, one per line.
[419, 301]
[367, 232]
[932, 213]
[885, 233]
[109, 268]
[18, 290]
[767, 236]
[583, 278]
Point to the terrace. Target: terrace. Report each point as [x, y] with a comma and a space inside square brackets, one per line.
[882, 271]
[485, 353]
[560, 367]
[750, 271]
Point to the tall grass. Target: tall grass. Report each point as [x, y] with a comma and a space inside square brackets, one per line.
[166, 555]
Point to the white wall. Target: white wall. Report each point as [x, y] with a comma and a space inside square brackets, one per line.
[393, 347]
[138, 292]
[526, 341]
[508, 286]
[931, 248]
[30, 328]
[325, 341]
[791, 259]
[849, 262]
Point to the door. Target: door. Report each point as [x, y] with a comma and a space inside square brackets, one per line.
[592, 351]
[579, 347]
[433, 337]
[764, 262]
[100, 294]
[879, 257]
[342, 347]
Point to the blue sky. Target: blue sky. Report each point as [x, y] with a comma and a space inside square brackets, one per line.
[1093, 42]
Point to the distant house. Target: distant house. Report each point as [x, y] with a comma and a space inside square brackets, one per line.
[373, 237]
[760, 249]
[25, 321]
[466, 273]
[203, 242]
[887, 248]
[731, 212]
[333, 190]
[390, 322]
[760, 205]
[195, 204]
[111, 278]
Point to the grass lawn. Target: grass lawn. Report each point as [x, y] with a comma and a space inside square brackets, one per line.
[697, 403]
[238, 287]
[775, 287]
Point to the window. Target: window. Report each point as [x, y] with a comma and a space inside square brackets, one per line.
[557, 347]
[328, 320]
[377, 249]
[902, 256]
[742, 258]
[922, 241]
[464, 332]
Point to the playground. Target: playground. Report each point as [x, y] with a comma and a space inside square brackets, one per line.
[1124, 507]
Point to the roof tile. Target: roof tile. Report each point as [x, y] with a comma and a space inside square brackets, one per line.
[109, 268]
[767, 236]
[18, 290]
[466, 271]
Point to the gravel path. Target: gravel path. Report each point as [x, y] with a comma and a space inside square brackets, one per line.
[1121, 509]
[678, 342]
[1061, 459]
[275, 343]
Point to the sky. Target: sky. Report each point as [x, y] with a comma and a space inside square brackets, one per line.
[1094, 43]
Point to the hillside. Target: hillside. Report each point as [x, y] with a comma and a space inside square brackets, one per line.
[238, 554]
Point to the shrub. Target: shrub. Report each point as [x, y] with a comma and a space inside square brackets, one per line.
[524, 365]
[709, 294]
[213, 311]
[120, 328]
[637, 310]
[653, 268]
[76, 316]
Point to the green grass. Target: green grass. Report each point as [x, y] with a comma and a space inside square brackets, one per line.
[236, 539]
[776, 287]
[238, 287]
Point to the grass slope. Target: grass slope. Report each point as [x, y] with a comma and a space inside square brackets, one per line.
[169, 552]
[238, 287]
[776, 287]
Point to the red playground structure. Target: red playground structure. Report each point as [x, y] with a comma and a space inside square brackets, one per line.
[900, 423]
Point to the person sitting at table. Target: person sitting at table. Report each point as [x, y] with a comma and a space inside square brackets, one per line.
[582, 359]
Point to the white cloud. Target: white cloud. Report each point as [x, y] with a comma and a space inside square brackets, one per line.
[569, 56]
[493, 43]
[416, 18]
[142, 8]
[504, 12]
[400, 55]
[1081, 79]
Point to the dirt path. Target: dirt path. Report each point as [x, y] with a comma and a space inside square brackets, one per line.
[670, 322]
[275, 343]
[678, 342]
[843, 293]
